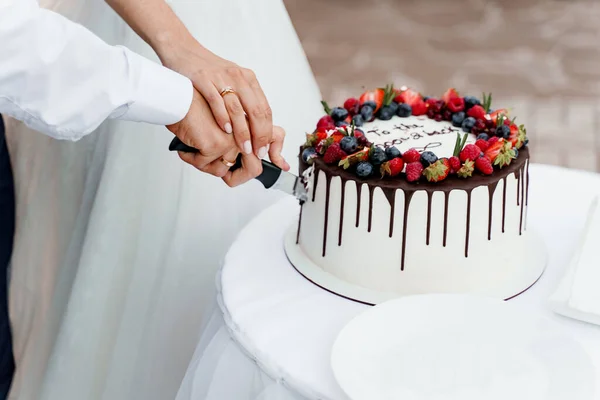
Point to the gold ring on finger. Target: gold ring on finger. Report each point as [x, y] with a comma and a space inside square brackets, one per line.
[226, 90]
[228, 164]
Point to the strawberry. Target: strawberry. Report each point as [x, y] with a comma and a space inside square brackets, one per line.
[322, 146]
[438, 171]
[414, 171]
[333, 154]
[354, 158]
[321, 135]
[494, 116]
[482, 144]
[494, 149]
[338, 136]
[325, 123]
[476, 112]
[470, 152]
[352, 105]
[411, 156]
[514, 134]
[450, 95]
[484, 165]
[392, 167]
[456, 104]
[454, 164]
[414, 100]
[466, 170]
[493, 140]
[504, 155]
[375, 96]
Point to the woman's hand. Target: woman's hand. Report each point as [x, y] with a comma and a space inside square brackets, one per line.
[246, 112]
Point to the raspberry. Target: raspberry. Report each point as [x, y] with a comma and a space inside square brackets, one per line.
[470, 152]
[413, 171]
[325, 123]
[454, 164]
[411, 156]
[476, 112]
[333, 154]
[482, 144]
[484, 165]
[352, 105]
[493, 140]
[456, 104]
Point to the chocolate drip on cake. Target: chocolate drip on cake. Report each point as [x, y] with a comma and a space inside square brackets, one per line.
[468, 222]
[407, 197]
[299, 224]
[527, 187]
[342, 211]
[446, 199]
[429, 196]
[371, 189]
[327, 190]
[358, 196]
[389, 187]
[503, 202]
[491, 190]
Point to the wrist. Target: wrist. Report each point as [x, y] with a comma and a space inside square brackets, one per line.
[173, 46]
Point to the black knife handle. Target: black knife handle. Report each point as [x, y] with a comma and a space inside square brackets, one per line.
[268, 177]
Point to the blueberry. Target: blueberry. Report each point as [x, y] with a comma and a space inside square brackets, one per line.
[428, 158]
[458, 118]
[349, 144]
[378, 156]
[358, 120]
[503, 131]
[341, 123]
[367, 112]
[483, 136]
[308, 154]
[339, 114]
[392, 152]
[526, 142]
[404, 110]
[364, 169]
[471, 101]
[516, 153]
[468, 124]
[394, 106]
[386, 113]
[369, 103]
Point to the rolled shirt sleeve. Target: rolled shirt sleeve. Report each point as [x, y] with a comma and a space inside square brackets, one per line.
[62, 80]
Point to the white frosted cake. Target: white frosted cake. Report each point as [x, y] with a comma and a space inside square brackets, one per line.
[407, 204]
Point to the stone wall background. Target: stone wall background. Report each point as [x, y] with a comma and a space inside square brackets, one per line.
[540, 57]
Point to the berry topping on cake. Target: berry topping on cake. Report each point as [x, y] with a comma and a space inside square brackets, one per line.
[414, 171]
[349, 144]
[482, 144]
[377, 156]
[404, 110]
[358, 120]
[414, 100]
[339, 114]
[438, 171]
[392, 168]
[309, 154]
[476, 112]
[468, 124]
[502, 114]
[364, 169]
[494, 149]
[458, 118]
[411, 156]
[352, 105]
[451, 94]
[484, 165]
[505, 155]
[333, 154]
[353, 159]
[483, 136]
[470, 152]
[374, 98]
[392, 152]
[325, 123]
[503, 131]
[471, 101]
[389, 107]
[493, 140]
[466, 170]
[367, 111]
[427, 158]
[454, 164]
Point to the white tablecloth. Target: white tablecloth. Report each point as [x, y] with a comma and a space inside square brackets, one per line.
[270, 335]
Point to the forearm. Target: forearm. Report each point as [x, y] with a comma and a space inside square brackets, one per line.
[156, 23]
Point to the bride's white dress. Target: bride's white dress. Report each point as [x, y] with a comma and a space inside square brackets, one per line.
[117, 240]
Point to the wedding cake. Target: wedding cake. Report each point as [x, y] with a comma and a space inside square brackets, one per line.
[411, 194]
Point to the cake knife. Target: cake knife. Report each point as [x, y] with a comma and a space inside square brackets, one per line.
[271, 177]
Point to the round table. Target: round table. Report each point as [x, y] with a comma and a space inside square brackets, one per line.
[271, 335]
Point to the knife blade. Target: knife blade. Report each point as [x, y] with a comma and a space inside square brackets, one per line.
[272, 176]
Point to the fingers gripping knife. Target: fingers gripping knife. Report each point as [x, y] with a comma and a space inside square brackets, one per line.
[271, 177]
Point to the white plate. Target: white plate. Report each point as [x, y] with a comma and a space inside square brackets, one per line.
[458, 347]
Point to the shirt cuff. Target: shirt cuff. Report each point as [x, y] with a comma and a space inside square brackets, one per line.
[161, 96]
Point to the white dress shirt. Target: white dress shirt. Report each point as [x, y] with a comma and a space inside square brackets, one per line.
[59, 78]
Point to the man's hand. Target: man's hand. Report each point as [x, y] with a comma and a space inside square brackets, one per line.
[199, 130]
